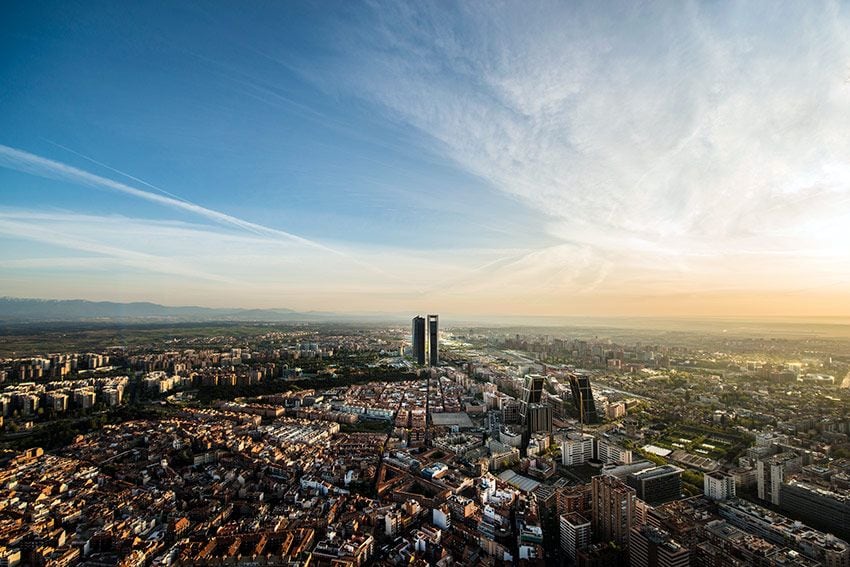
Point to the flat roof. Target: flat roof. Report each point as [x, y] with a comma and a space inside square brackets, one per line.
[461, 419]
[518, 481]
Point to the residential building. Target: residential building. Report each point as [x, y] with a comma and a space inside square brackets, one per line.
[575, 534]
[612, 508]
[718, 485]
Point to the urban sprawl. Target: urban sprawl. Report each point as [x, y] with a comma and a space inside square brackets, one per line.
[322, 445]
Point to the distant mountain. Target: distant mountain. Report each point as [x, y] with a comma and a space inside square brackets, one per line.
[38, 310]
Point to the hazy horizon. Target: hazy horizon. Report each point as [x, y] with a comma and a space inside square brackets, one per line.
[565, 160]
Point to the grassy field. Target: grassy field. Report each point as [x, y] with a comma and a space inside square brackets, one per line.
[701, 441]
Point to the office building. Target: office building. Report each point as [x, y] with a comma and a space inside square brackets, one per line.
[510, 410]
[783, 531]
[539, 418]
[576, 449]
[657, 485]
[583, 398]
[652, 547]
[575, 534]
[612, 509]
[433, 340]
[418, 340]
[718, 485]
[532, 391]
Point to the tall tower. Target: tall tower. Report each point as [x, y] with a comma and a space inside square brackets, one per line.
[418, 339]
[532, 391]
[583, 398]
[612, 508]
[433, 346]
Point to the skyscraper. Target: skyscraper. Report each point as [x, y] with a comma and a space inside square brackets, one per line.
[583, 398]
[539, 418]
[433, 342]
[532, 390]
[418, 339]
[612, 509]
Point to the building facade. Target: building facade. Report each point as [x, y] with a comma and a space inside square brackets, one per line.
[612, 509]
[657, 485]
[418, 340]
[575, 534]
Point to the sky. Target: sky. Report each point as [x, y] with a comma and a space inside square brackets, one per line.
[516, 158]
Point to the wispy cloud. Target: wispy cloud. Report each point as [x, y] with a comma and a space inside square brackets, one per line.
[130, 258]
[36, 165]
[636, 150]
[649, 135]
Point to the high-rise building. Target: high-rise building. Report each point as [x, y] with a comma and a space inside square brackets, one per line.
[657, 485]
[771, 472]
[418, 339]
[575, 534]
[612, 508]
[433, 340]
[510, 410]
[532, 391]
[574, 499]
[583, 398]
[576, 449]
[539, 418]
[718, 485]
[652, 547]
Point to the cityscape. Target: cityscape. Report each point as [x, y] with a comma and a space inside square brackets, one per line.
[339, 444]
[436, 283]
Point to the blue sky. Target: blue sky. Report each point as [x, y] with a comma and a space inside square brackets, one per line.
[547, 158]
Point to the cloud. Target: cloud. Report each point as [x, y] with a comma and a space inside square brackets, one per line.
[129, 258]
[29, 163]
[711, 138]
[224, 263]
[664, 149]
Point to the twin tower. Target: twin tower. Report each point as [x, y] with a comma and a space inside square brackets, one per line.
[419, 340]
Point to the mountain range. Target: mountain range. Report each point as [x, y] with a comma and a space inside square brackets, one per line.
[14, 309]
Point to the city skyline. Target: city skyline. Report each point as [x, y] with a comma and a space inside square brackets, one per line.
[637, 160]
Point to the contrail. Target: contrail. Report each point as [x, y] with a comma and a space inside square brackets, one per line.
[43, 167]
[20, 160]
[112, 169]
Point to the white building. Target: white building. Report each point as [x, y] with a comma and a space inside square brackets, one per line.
[771, 472]
[718, 485]
[575, 533]
[576, 449]
[608, 452]
[441, 516]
